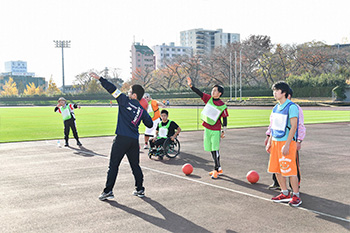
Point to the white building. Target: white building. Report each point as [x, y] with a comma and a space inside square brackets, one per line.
[166, 53]
[222, 39]
[17, 68]
[204, 41]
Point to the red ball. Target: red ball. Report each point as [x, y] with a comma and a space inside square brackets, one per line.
[252, 176]
[187, 169]
[144, 103]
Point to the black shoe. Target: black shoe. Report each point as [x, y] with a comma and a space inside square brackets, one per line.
[274, 186]
[140, 193]
[105, 196]
[66, 145]
[79, 143]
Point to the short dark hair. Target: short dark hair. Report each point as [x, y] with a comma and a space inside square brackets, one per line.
[283, 86]
[291, 92]
[164, 111]
[138, 90]
[220, 88]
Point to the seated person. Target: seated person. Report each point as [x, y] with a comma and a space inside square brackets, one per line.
[165, 129]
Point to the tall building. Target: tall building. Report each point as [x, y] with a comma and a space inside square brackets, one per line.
[17, 70]
[166, 53]
[204, 41]
[222, 39]
[142, 58]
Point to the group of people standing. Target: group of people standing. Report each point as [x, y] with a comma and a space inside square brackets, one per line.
[283, 137]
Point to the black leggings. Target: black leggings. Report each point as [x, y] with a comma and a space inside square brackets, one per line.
[67, 125]
[124, 145]
[216, 158]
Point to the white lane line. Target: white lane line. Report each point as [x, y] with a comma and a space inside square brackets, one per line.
[240, 192]
[231, 190]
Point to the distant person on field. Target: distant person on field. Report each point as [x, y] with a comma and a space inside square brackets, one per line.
[214, 128]
[153, 111]
[301, 136]
[67, 112]
[282, 144]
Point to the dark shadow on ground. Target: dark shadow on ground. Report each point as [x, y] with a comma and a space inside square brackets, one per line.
[171, 222]
[257, 186]
[327, 206]
[313, 203]
[83, 151]
[195, 161]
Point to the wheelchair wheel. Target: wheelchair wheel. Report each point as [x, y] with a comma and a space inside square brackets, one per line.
[171, 148]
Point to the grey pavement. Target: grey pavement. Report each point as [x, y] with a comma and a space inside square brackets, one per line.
[44, 188]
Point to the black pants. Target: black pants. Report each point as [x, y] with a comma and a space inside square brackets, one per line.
[67, 125]
[124, 145]
[156, 143]
[274, 178]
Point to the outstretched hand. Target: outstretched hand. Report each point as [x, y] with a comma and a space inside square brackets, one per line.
[189, 81]
[94, 75]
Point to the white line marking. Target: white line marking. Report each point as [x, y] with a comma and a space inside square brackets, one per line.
[240, 192]
[231, 190]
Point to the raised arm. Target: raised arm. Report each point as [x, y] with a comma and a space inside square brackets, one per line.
[110, 87]
[197, 91]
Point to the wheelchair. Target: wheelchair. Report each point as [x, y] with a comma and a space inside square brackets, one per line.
[169, 149]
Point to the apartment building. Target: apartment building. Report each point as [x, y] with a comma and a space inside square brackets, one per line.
[168, 53]
[204, 41]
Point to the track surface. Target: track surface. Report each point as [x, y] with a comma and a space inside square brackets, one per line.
[44, 188]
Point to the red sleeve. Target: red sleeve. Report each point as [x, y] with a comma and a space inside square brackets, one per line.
[206, 97]
[224, 113]
[59, 110]
[71, 106]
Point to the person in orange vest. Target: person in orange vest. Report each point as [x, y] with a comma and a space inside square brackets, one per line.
[153, 111]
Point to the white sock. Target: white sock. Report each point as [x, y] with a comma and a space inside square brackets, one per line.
[285, 192]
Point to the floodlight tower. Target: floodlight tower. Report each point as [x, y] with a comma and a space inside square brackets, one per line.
[62, 44]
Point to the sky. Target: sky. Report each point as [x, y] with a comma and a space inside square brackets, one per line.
[102, 31]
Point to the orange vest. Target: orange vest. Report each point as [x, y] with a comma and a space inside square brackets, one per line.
[155, 108]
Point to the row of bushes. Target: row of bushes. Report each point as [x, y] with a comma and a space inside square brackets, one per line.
[308, 91]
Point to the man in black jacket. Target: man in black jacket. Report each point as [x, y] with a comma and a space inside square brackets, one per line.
[130, 115]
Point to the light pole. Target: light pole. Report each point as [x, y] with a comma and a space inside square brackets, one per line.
[235, 75]
[240, 74]
[230, 74]
[62, 44]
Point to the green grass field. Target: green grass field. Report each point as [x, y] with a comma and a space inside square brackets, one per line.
[40, 123]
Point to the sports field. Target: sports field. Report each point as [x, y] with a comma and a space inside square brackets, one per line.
[38, 123]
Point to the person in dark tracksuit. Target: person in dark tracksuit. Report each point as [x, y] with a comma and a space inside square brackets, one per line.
[130, 115]
[67, 112]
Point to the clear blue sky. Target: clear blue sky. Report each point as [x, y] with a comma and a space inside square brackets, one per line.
[102, 31]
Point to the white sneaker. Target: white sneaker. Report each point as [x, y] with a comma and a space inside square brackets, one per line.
[146, 146]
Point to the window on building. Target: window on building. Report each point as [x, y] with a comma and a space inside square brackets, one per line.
[172, 49]
[167, 49]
